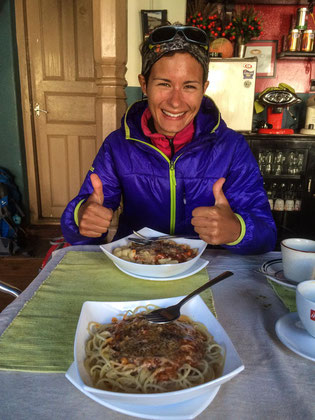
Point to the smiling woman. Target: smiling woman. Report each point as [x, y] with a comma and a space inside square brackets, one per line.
[176, 165]
[174, 97]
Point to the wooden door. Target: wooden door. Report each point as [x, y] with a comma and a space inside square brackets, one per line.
[62, 75]
[72, 63]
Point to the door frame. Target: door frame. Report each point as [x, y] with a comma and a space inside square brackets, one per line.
[28, 116]
[110, 64]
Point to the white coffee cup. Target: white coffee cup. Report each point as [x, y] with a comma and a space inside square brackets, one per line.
[298, 259]
[305, 303]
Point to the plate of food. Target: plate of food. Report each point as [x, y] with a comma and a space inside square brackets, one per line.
[160, 259]
[187, 410]
[198, 266]
[121, 358]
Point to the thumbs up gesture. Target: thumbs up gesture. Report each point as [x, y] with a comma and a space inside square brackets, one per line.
[94, 219]
[218, 224]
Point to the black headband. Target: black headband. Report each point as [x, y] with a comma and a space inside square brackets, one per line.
[151, 51]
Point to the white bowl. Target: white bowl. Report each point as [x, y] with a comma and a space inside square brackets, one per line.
[298, 259]
[103, 312]
[163, 270]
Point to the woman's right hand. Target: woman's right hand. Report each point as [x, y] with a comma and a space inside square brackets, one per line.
[94, 219]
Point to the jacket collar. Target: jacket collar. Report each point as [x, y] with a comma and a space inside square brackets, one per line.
[207, 121]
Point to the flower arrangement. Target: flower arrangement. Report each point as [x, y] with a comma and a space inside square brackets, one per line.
[213, 25]
[246, 25]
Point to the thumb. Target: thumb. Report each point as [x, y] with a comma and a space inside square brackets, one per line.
[218, 193]
[97, 195]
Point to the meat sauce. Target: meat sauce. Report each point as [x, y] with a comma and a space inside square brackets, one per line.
[163, 250]
[141, 343]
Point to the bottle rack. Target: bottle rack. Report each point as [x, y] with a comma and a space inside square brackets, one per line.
[282, 163]
[290, 187]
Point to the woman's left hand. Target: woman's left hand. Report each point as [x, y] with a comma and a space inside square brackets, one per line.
[218, 224]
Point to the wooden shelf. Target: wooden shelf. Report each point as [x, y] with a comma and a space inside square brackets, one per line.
[295, 55]
[282, 176]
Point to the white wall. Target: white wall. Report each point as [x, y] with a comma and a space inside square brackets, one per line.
[176, 12]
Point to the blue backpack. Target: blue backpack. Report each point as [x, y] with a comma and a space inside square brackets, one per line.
[11, 214]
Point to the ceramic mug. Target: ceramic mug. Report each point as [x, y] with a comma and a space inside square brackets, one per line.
[298, 259]
[305, 303]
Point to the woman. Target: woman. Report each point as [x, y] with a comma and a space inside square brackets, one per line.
[177, 166]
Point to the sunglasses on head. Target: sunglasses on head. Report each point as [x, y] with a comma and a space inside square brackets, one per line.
[190, 33]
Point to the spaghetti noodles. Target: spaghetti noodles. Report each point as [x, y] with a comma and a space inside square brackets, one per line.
[135, 356]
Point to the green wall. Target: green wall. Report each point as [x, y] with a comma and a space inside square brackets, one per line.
[133, 94]
[12, 151]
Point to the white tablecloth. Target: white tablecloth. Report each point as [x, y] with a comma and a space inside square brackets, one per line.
[276, 383]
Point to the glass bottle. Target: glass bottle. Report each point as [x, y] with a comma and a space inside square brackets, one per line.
[261, 162]
[291, 163]
[269, 162]
[298, 198]
[289, 198]
[269, 191]
[279, 202]
[300, 162]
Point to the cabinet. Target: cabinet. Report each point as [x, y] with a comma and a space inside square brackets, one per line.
[287, 165]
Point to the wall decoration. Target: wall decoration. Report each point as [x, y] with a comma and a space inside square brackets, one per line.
[151, 19]
[266, 52]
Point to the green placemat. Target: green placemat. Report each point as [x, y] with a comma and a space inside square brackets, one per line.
[41, 337]
[285, 294]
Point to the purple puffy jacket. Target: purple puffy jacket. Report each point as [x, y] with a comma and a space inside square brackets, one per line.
[161, 194]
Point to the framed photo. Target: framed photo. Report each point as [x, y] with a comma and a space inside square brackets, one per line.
[151, 19]
[266, 53]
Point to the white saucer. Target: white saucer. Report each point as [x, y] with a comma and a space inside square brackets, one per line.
[181, 411]
[199, 265]
[273, 269]
[292, 334]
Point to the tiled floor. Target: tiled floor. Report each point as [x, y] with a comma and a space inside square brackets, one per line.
[19, 270]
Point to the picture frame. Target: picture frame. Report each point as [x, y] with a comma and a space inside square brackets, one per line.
[266, 53]
[150, 19]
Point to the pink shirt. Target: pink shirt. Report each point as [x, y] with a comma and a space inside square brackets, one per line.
[161, 142]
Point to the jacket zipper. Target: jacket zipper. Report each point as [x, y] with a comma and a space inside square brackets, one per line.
[172, 183]
[173, 197]
[171, 168]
